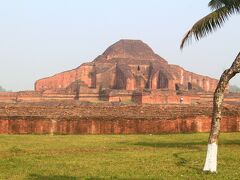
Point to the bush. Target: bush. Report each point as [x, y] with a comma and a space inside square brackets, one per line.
[2, 89]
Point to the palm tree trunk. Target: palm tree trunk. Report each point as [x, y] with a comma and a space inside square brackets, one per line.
[211, 159]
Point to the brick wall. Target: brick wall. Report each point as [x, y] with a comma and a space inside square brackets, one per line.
[116, 126]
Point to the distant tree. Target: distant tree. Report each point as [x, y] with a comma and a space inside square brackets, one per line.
[2, 89]
[221, 11]
[234, 89]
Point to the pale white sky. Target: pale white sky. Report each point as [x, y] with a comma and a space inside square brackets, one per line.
[42, 38]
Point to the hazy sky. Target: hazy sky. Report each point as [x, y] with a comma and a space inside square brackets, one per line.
[44, 37]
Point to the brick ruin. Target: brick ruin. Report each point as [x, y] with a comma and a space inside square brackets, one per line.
[128, 70]
[79, 118]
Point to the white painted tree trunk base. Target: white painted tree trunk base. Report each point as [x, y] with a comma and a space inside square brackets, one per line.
[211, 159]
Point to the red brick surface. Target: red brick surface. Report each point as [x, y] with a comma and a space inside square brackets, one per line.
[75, 118]
[127, 65]
[119, 126]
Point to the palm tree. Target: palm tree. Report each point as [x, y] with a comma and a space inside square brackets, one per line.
[221, 11]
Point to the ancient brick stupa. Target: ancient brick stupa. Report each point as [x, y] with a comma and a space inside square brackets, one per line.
[127, 70]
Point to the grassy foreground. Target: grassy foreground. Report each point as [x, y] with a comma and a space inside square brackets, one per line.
[175, 156]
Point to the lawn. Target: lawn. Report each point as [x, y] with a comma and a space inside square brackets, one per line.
[174, 156]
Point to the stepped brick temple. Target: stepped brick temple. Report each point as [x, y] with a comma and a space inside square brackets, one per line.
[128, 70]
[164, 98]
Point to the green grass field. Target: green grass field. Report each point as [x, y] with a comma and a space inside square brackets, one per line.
[175, 156]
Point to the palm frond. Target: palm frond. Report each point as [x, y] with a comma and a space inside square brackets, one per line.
[231, 3]
[211, 22]
[216, 4]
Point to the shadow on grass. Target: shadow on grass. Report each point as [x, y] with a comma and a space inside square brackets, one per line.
[189, 145]
[229, 142]
[51, 177]
[58, 177]
[180, 160]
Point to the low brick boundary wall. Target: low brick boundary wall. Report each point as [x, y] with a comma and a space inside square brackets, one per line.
[45, 125]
